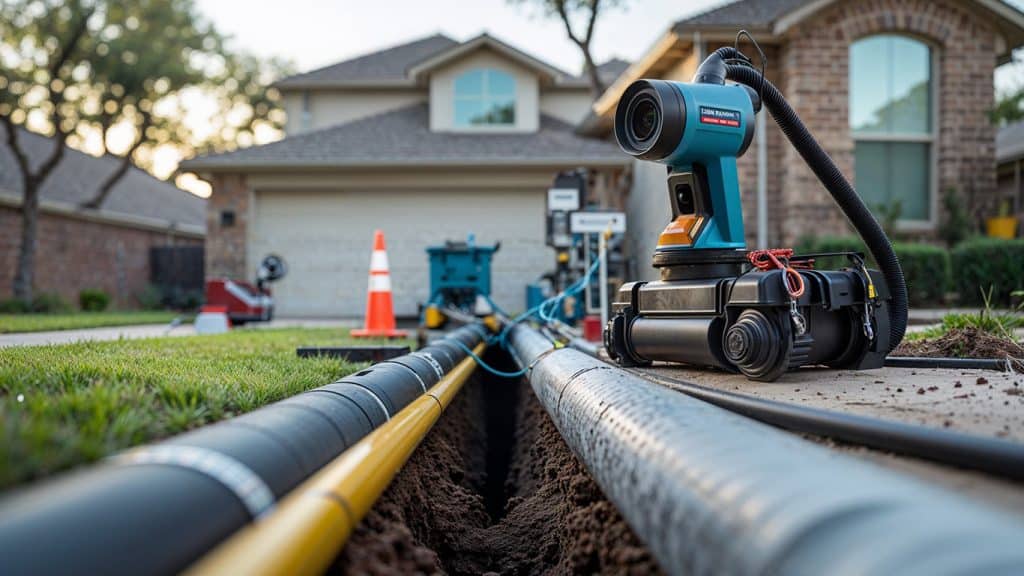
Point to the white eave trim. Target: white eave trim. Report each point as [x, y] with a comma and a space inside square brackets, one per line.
[797, 16]
[108, 217]
[411, 163]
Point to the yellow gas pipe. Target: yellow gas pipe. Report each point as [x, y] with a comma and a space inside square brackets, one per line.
[310, 526]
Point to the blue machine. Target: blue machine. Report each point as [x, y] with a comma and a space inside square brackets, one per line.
[761, 313]
[460, 273]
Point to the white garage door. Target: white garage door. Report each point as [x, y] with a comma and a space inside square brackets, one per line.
[326, 237]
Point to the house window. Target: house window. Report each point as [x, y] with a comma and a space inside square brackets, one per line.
[485, 97]
[892, 123]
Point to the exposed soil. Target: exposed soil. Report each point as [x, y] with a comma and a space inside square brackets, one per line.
[494, 489]
[963, 343]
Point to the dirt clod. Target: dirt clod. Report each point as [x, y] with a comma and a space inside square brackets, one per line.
[962, 343]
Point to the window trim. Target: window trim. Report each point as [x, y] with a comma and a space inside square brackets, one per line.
[932, 138]
[509, 127]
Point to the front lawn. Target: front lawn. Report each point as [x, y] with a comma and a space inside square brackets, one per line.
[74, 320]
[65, 405]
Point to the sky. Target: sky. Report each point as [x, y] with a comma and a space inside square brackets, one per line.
[315, 33]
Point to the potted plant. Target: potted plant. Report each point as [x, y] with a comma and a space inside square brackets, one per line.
[1004, 225]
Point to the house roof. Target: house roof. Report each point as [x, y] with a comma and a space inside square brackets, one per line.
[740, 14]
[407, 64]
[775, 17]
[1010, 142]
[403, 137]
[137, 197]
[388, 65]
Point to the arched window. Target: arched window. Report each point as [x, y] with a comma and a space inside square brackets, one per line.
[485, 97]
[892, 122]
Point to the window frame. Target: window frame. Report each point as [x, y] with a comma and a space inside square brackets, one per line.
[484, 97]
[931, 138]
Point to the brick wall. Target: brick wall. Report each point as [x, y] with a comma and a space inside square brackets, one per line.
[73, 254]
[226, 243]
[815, 81]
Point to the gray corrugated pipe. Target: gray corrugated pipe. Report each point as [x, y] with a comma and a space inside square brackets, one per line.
[155, 509]
[712, 492]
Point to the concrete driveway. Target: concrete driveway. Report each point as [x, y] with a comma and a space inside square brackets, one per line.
[148, 331]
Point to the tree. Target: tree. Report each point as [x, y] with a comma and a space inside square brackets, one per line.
[116, 73]
[583, 15]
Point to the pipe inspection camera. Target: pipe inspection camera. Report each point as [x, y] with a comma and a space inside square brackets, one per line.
[760, 312]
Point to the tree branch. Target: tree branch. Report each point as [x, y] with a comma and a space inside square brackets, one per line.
[15, 145]
[122, 169]
[563, 13]
[68, 48]
[594, 9]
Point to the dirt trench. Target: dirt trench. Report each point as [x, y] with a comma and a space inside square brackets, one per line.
[494, 490]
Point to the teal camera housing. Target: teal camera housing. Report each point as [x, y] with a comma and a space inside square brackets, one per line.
[698, 130]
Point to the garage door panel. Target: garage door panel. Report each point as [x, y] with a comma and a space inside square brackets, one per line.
[326, 238]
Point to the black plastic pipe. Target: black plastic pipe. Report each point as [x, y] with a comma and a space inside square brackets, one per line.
[830, 176]
[156, 509]
[991, 455]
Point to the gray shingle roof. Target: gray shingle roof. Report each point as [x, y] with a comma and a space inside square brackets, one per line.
[386, 65]
[403, 138]
[78, 175]
[611, 70]
[743, 13]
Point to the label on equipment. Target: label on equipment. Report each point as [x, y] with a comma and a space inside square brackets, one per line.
[563, 199]
[719, 117]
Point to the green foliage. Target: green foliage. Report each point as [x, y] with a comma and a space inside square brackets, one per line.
[151, 297]
[889, 215]
[62, 406]
[1000, 324]
[96, 67]
[15, 306]
[988, 263]
[925, 267]
[50, 303]
[20, 322]
[93, 300]
[956, 223]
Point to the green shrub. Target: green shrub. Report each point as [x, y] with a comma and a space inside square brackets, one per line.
[925, 267]
[50, 303]
[983, 263]
[93, 300]
[15, 306]
[927, 271]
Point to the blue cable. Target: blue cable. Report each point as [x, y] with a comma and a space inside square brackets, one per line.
[486, 366]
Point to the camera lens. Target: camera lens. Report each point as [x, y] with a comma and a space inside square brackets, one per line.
[650, 118]
[645, 119]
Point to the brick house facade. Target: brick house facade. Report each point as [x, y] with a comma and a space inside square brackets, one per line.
[808, 46]
[75, 253]
[78, 248]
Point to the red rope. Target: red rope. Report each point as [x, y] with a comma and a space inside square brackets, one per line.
[778, 259]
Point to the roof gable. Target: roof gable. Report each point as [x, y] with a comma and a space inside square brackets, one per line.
[485, 41]
[388, 66]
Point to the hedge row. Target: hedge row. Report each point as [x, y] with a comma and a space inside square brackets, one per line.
[931, 272]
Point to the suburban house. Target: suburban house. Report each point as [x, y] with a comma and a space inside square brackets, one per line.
[107, 249]
[897, 91]
[428, 141]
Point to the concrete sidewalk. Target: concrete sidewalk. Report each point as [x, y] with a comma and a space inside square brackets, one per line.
[149, 331]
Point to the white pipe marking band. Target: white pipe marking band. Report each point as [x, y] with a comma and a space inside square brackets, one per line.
[387, 415]
[433, 363]
[254, 493]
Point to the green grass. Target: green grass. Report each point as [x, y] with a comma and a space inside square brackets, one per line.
[61, 406]
[74, 320]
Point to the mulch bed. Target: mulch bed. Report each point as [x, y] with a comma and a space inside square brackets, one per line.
[963, 343]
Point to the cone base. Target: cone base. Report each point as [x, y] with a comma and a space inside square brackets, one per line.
[378, 333]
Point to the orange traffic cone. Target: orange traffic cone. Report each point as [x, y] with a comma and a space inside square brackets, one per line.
[380, 311]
